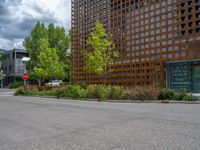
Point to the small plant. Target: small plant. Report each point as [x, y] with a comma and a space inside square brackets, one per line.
[190, 98]
[103, 92]
[19, 91]
[116, 92]
[166, 94]
[82, 93]
[72, 91]
[75, 91]
[180, 95]
[59, 92]
[93, 91]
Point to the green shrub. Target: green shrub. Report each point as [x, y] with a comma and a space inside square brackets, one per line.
[46, 93]
[82, 93]
[190, 98]
[26, 91]
[180, 95]
[19, 91]
[83, 85]
[39, 93]
[75, 91]
[72, 91]
[60, 92]
[103, 92]
[166, 94]
[93, 91]
[116, 92]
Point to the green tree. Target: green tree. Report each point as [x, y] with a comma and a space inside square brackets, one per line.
[48, 66]
[56, 38]
[101, 57]
[59, 40]
[32, 43]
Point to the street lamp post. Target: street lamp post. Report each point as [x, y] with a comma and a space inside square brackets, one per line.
[25, 60]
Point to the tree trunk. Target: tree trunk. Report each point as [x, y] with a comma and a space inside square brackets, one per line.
[105, 79]
[51, 81]
[39, 81]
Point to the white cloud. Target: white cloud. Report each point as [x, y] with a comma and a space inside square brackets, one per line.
[7, 44]
[20, 16]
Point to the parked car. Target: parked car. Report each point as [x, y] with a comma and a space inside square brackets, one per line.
[54, 83]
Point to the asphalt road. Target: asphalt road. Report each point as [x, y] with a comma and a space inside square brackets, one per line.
[48, 124]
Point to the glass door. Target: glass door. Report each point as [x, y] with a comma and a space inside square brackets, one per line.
[196, 79]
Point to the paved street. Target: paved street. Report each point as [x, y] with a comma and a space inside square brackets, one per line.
[48, 124]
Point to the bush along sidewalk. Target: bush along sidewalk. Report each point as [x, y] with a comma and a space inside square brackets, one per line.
[172, 95]
[101, 92]
[107, 92]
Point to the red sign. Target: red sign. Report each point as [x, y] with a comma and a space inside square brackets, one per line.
[25, 76]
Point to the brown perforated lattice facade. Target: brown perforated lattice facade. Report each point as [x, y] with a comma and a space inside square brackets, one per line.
[147, 34]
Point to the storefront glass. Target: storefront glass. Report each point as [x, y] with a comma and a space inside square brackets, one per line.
[196, 78]
[184, 75]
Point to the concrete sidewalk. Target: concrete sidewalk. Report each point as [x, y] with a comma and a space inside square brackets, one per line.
[7, 92]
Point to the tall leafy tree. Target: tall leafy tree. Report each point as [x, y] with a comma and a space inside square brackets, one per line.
[56, 38]
[32, 43]
[48, 62]
[59, 40]
[101, 57]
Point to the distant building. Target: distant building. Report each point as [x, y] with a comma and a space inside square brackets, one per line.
[1, 52]
[12, 65]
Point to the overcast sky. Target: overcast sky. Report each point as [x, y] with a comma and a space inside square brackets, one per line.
[18, 17]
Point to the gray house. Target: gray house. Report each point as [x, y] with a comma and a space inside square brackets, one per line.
[12, 65]
[1, 52]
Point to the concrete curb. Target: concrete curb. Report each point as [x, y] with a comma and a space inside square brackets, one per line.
[184, 102]
[116, 101]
